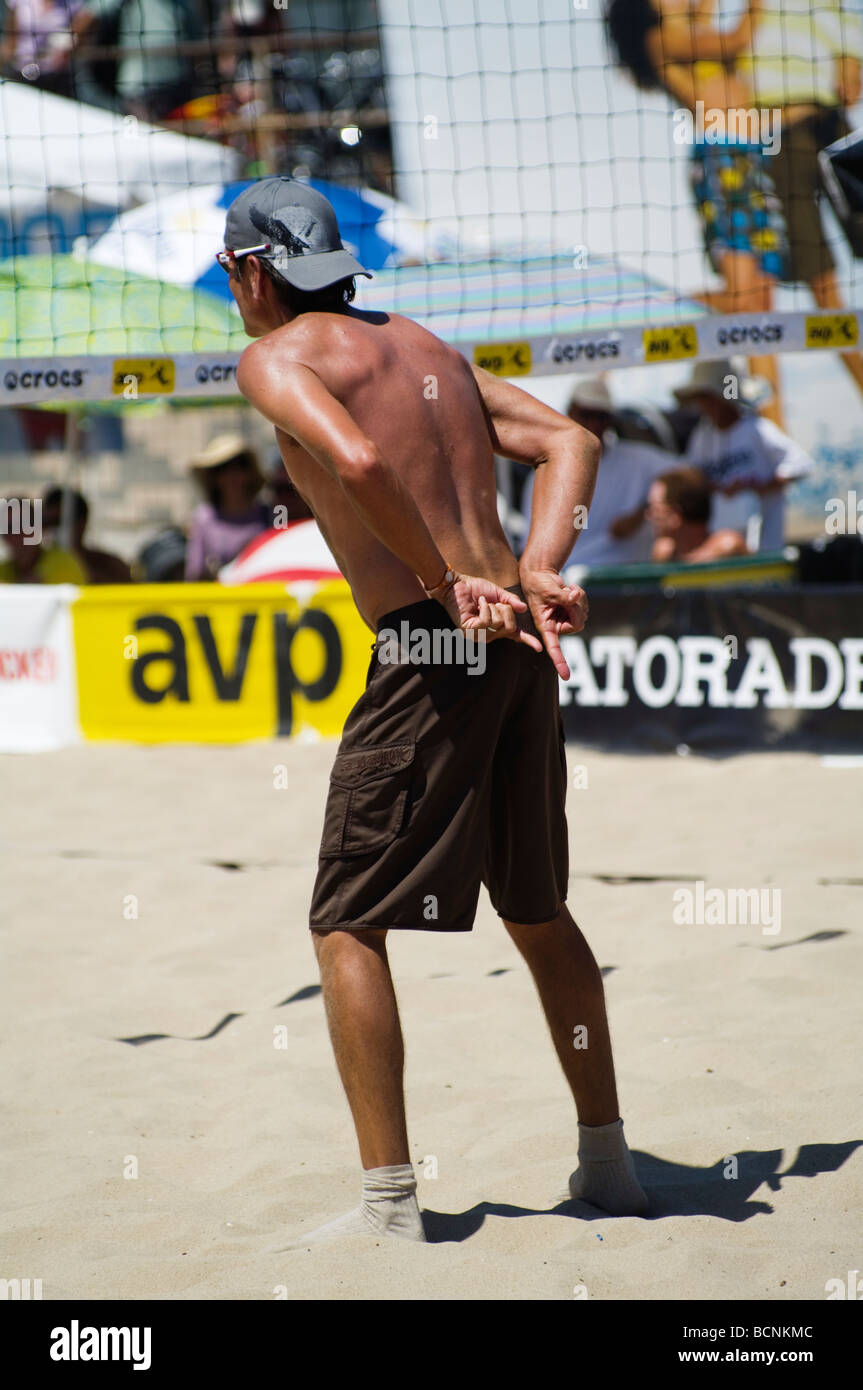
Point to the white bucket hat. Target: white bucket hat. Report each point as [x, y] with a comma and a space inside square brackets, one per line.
[709, 378]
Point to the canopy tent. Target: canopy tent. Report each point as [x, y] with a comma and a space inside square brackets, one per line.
[540, 316]
[55, 152]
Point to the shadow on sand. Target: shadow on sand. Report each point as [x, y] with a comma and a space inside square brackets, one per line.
[674, 1189]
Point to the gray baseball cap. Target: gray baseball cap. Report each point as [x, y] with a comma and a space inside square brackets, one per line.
[300, 226]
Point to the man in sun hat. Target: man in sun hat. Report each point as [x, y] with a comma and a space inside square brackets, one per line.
[615, 531]
[748, 460]
[445, 777]
[233, 514]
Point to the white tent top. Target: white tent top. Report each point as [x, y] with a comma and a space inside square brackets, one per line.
[49, 144]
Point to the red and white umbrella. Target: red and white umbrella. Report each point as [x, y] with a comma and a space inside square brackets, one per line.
[283, 555]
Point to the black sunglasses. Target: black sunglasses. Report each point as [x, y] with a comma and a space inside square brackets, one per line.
[226, 257]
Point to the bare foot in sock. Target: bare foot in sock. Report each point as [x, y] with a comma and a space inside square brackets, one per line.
[605, 1175]
[388, 1208]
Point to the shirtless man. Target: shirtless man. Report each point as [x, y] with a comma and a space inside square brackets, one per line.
[444, 777]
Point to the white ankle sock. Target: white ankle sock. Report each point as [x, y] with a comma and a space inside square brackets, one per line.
[388, 1207]
[605, 1175]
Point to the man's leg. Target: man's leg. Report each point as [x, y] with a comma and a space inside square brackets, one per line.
[569, 985]
[366, 1035]
[363, 1020]
[570, 988]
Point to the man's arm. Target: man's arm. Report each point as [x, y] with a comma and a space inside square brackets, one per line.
[719, 546]
[628, 523]
[566, 458]
[564, 455]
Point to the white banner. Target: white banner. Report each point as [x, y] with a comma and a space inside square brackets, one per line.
[38, 692]
[28, 381]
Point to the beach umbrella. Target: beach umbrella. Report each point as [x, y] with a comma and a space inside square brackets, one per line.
[508, 300]
[175, 238]
[285, 554]
[64, 306]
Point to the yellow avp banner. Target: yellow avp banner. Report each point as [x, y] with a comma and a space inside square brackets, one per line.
[208, 663]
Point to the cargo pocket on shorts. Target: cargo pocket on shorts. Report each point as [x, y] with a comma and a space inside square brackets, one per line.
[367, 806]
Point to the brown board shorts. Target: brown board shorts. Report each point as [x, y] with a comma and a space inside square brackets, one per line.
[447, 776]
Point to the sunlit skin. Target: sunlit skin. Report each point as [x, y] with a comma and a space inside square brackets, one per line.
[389, 435]
[695, 57]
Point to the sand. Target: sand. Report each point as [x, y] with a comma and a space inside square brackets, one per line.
[163, 890]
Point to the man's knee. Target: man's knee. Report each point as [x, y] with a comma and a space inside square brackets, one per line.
[519, 930]
[337, 941]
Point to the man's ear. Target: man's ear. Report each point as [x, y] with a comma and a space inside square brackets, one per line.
[256, 277]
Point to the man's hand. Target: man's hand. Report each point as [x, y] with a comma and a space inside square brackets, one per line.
[558, 610]
[479, 605]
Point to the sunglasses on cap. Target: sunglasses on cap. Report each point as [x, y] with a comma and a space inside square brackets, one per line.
[226, 257]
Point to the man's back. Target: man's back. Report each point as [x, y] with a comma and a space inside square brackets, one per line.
[417, 401]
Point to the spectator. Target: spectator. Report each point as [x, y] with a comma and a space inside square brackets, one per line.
[228, 472]
[747, 460]
[148, 85]
[615, 532]
[688, 50]
[163, 559]
[30, 560]
[100, 566]
[679, 512]
[805, 62]
[37, 41]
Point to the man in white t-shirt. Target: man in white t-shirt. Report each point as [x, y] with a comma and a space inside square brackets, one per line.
[748, 460]
[616, 532]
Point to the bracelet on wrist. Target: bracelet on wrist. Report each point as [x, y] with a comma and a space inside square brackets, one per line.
[445, 582]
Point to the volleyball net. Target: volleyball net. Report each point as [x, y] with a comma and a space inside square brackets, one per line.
[554, 186]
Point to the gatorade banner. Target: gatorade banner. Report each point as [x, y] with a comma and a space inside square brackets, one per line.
[718, 670]
[714, 670]
[37, 668]
[203, 663]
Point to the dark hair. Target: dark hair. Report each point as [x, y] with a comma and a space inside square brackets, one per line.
[209, 477]
[54, 498]
[688, 492]
[628, 22]
[330, 299]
